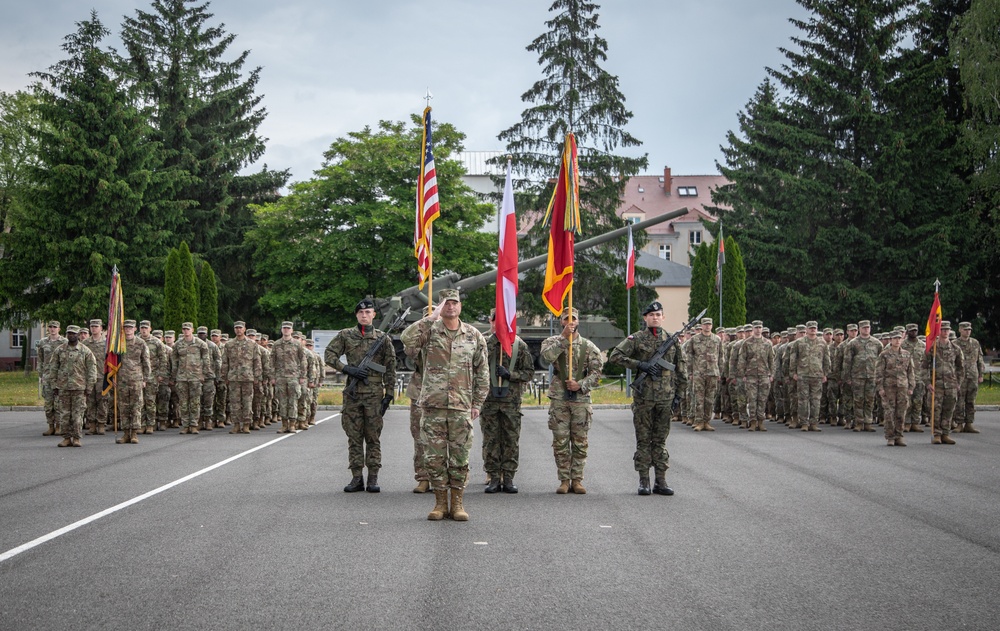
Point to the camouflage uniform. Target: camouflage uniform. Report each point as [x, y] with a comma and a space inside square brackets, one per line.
[755, 368]
[288, 371]
[158, 374]
[97, 403]
[916, 350]
[165, 392]
[778, 384]
[706, 351]
[189, 367]
[894, 380]
[737, 392]
[846, 382]
[306, 392]
[950, 367]
[968, 388]
[688, 393]
[134, 375]
[500, 419]
[860, 356]
[361, 416]
[241, 371]
[837, 390]
[809, 362]
[45, 348]
[208, 388]
[72, 372]
[219, 411]
[413, 392]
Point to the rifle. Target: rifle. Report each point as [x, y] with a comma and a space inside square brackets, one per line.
[661, 351]
[368, 362]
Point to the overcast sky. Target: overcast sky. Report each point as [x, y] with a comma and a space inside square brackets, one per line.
[686, 67]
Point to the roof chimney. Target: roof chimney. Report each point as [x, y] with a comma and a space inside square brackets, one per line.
[666, 181]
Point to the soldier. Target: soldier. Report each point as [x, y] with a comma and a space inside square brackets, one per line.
[706, 352]
[860, 356]
[824, 404]
[737, 393]
[158, 371]
[912, 345]
[570, 411]
[687, 417]
[943, 385]
[500, 419]
[241, 373]
[72, 372]
[846, 389]
[651, 405]
[288, 375]
[362, 413]
[212, 377]
[413, 392]
[189, 367]
[755, 369]
[134, 376]
[219, 418]
[454, 387]
[778, 381]
[318, 370]
[975, 368]
[809, 363]
[894, 380]
[724, 400]
[791, 385]
[97, 401]
[45, 348]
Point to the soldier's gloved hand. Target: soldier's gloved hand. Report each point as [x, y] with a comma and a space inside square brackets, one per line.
[651, 369]
[357, 373]
[386, 401]
[502, 372]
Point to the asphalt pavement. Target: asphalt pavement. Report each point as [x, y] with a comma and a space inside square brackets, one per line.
[776, 530]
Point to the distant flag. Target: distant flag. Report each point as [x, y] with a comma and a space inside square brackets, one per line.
[428, 208]
[933, 329]
[563, 216]
[506, 315]
[630, 261]
[719, 262]
[115, 345]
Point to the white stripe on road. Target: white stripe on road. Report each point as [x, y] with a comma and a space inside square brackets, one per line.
[135, 500]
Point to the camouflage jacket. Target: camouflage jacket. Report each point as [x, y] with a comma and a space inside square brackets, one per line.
[755, 359]
[241, 361]
[916, 351]
[894, 369]
[520, 374]
[354, 345]
[950, 364]
[98, 346]
[135, 366]
[189, 360]
[732, 361]
[266, 362]
[779, 358]
[706, 354]
[587, 365]
[72, 368]
[158, 362]
[318, 368]
[972, 356]
[288, 360]
[639, 347]
[809, 358]
[45, 347]
[214, 360]
[860, 355]
[456, 374]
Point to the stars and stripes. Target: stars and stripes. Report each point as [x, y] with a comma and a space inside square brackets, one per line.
[428, 207]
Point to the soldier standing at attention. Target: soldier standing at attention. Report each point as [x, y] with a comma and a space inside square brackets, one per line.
[810, 364]
[46, 348]
[500, 419]
[915, 348]
[859, 365]
[361, 415]
[241, 373]
[846, 386]
[975, 368]
[157, 372]
[134, 376]
[950, 368]
[97, 403]
[72, 373]
[189, 367]
[706, 351]
[318, 370]
[737, 393]
[453, 389]
[894, 380]
[570, 411]
[207, 421]
[305, 396]
[755, 368]
[651, 405]
[219, 405]
[288, 374]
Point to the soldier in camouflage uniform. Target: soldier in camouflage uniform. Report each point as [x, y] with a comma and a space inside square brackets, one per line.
[809, 363]
[189, 367]
[833, 389]
[950, 367]
[260, 391]
[134, 376]
[737, 393]
[158, 373]
[860, 356]
[97, 401]
[846, 389]
[219, 418]
[975, 368]
[45, 348]
[361, 415]
[289, 370]
[305, 395]
[791, 385]
[212, 377]
[241, 373]
[500, 419]
[173, 406]
[912, 345]
[318, 370]
[778, 381]
[72, 372]
[894, 380]
[724, 402]
[705, 372]
[454, 387]
[755, 369]
[687, 417]
[413, 392]
[651, 405]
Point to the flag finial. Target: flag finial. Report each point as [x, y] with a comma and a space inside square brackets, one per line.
[937, 285]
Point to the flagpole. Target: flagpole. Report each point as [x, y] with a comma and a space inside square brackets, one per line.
[719, 272]
[933, 384]
[430, 270]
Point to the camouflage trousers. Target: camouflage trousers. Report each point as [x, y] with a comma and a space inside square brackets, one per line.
[847, 401]
[130, 406]
[207, 400]
[916, 407]
[219, 413]
[832, 409]
[570, 421]
[864, 400]
[313, 405]
[51, 405]
[651, 420]
[97, 404]
[163, 403]
[362, 423]
[447, 438]
[149, 396]
[189, 402]
[792, 399]
[724, 400]
[257, 405]
[757, 390]
[810, 394]
[419, 469]
[501, 426]
[738, 397]
[288, 391]
[302, 409]
[240, 397]
[779, 401]
[895, 402]
[945, 400]
[72, 408]
[705, 388]
[965, 407]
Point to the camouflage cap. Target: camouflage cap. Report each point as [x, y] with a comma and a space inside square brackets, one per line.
[707, 321]
[964, 325]
[746, 328]
[800, 327]
[945, 325]
[766, 331]
[216, 333]
[298, 333]
[863, 323]
[158, 333]
[731, 331]
[566, 313]
[912, 327]
[240, 324]
[251, 332]
[263, 336]
[187, 325]
[895, 334]
[951, 334]
[449, 294]
[852, 327]
[287, 325]
[785, 334]
[203, 329]
[130, 323]
[225, 337]
[72, 329]
[812, 324]
[757, 323]
[169, 334]
[54, 323]
[96, 322]
[310, 342]
[828, 330]
[838, 331]
[145, 323]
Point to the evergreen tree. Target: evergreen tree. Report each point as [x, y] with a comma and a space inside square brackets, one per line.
[734, 280]
[208, 303]
[173, 292]
[87, 210]
[189, 285]
[575, 95]
[703, 283]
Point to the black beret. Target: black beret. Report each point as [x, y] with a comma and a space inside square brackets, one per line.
[364, 304]
[651, 307]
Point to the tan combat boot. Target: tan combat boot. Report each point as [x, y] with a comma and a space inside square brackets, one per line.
[235, 429]
[185, 430]
[193, 429]
[244, 428]
[916, 429]
[946, 440]
[868, 428]
[707, 427]
[578, 487]
[207, 425]
[457, 511]
[760, 426]
[100, 429]
[422, 486]
[936, 440]
[51, 431]
[900, 442]
[66, 442]
[907, 427]
[75, 442]
[132, 438]
[91, 429]
[440, 505]
[698, 426]
[284, 427]
[123, 439]
[563, 487]
[969, 429]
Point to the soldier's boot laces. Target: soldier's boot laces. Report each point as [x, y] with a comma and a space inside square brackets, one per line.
[440, 505]
[457, 511]
[356, 484]
[422, 486]
[644, 485]
[508, 483]
[578, 487]
[563, 487]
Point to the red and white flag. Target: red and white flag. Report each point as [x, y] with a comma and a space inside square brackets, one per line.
[630, 261]
[506, 315]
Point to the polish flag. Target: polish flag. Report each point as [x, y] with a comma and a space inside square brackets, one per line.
[630, 262]
[506, 316]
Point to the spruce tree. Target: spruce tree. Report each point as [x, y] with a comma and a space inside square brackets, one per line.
[208, 303]
[173, 292]
[703, 282]
[189, 285]
[734, 279]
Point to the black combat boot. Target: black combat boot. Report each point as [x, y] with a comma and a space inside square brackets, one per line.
[357, 484]
[373, 486]
[644, 485]
[493, 486]
[508, 483]
[660, 486]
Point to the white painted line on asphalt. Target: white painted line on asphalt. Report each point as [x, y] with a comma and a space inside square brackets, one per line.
[480, 543]
[135, 500]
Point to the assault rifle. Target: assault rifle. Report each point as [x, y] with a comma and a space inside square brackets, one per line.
[368, 362]
[661, 351]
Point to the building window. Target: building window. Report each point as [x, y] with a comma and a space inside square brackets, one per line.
[665, 251]
[17, 338]
[633, 220]
[687, 191]
[695, 237]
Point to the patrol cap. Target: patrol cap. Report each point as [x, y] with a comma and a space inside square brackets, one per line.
[145, 323]
[898, 327]
[828, 330]
[239, 324]
[945, 325]
[158, 333]
[298, 334]
[757, 323]
[852, 327]
[707, 321]
[651, 307]
[225, 337]
[263, 336]
[130, 323]
[867, 323]
[286, 325]
[812, 324]
[310, 342]
[912, 327]
[731, 331]
[187, 325]
[169, 334]
[896, 334]
[838, 331]
[216, 333]
[964, 325]
[203, 329]
[747, 328]
[565, 312]
[765, 330]
[449, 294]
[72, 329]
[719, 329]
[784, 334]
[364, 304]
[802, 327]
[96, 322]
[54, 323]
[252, 332]
[84, 329]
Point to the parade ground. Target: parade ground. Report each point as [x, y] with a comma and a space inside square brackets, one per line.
[776, 530]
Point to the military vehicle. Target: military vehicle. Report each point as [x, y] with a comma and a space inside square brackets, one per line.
[597, 329]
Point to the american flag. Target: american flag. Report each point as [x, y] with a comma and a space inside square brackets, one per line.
[428, 208]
